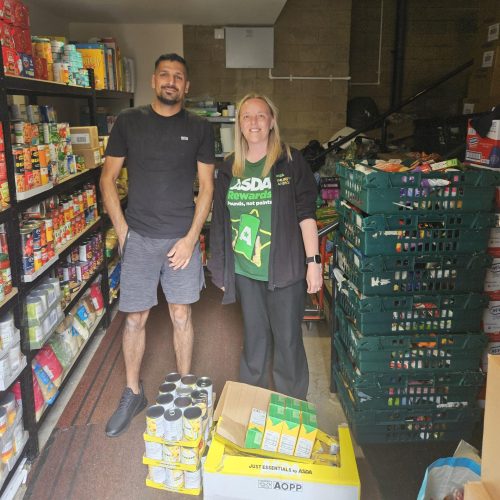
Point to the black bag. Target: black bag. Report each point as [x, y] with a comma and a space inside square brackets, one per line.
[311, 152]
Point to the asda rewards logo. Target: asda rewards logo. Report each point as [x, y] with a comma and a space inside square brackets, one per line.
[270, 484]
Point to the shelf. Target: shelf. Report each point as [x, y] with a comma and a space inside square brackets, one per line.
[113, 94]
[75, 297]
[73, 240]
[5, 384]
[68, 371]
[6, 302]
[62, 186]
[26, 195]
[5, 214]
[27, 86]
[220, 119]
[29, 278]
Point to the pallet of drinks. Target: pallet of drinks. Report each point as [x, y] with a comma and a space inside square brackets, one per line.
[177, 428]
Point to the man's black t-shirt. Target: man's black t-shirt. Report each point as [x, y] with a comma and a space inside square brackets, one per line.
[162, 154]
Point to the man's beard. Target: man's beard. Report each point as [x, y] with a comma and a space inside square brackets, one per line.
[166, 100]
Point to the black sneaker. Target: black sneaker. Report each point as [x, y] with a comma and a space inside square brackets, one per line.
[130, 405]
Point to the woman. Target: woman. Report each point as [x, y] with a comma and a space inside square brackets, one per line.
[263, 228]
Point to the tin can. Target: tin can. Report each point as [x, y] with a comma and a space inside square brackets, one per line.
[9, 403]
[34, 308]
[192, 479]
[171, 453]
[191, 423]
[200, 399]
[184, 392]
[189, 456]
[174, 478]
[3, 421]
[85, 252]
[154, 420]
[172, 426]
[49, 229]
[189, 381]
[182, 402]
[157, 474]
[153, 450]
[27, 248]
[174, 378]
[166, 401]
[7, 449]
[37, 259]
[167, 388]
[206, 383]
[5, 368]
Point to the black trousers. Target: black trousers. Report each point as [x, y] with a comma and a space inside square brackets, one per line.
[273, 324]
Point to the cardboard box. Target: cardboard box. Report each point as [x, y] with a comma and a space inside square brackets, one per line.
[233, 472]
[84, 137]
[28, 67]
[91, 156]
[484, 79]
[489, 486]
[484, 150]
[12, 64]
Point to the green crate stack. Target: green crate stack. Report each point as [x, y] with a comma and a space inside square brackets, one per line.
[411, 256]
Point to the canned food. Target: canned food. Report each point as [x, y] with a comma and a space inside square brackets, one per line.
[191, 423]
[168, 388]
[154, 420]
[174, 478]
[184, 392]
[153, 450]
[182, 402]
[200, 399]
[157, 474]
[3, 421]
[173, 378]
[165, 400]
[189, 456]
[173, 425]
[171, 453]
[189, 381]
[192, 479]
[206, 383]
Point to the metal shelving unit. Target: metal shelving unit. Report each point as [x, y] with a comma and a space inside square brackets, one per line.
[10, 216]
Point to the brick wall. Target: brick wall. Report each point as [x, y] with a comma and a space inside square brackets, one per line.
[310, 39]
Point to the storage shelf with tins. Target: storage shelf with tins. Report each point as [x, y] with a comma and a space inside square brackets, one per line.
[63, 182]
[224, 135]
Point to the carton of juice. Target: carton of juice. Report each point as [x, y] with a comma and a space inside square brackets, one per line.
[255, 429]
[274, 425]
[289, 431]
[307, 435]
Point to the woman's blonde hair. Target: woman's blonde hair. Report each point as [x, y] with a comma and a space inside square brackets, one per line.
[274, 146]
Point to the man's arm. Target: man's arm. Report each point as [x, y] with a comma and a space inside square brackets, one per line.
[181, 252]
[109, 191]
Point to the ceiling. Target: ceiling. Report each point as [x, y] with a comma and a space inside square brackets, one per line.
[190, 12]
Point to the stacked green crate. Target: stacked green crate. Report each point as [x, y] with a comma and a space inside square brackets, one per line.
[412, 261]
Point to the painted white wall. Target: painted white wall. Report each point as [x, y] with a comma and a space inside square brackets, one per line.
[45, 21]
[142, 42]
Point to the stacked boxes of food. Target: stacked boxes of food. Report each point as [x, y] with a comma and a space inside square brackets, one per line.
[85, 142]
[15, 39]
[412, 261]
[11, 359]
[177, 428]
[13, 437]
[5, 269]
[4, 185]
[49, 226]
[61, 346]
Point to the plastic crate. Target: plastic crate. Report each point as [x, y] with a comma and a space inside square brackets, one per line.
[406, 388]
[417, 234]
[396, 275]
[409, 314]
[375, 191]
[452, 352]
[407, 424]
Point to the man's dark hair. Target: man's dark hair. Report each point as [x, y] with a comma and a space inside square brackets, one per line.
[172, 57]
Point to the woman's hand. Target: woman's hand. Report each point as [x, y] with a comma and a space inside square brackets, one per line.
[314, 277]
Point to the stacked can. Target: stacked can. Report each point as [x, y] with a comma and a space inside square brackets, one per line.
[80, 266]
[412, 261]
[48, 226]
[13, 437]
[177, 429]
[4, 186]
[5, 271]
[10, 349]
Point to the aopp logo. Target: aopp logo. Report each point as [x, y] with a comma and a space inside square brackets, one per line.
[280, 485]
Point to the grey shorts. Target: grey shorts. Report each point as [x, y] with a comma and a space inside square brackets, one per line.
[145, 263]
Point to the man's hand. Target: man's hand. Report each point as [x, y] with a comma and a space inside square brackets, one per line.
[180, 254]
[122, 236]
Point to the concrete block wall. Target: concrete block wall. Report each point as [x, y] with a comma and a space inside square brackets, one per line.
[310, 39]
[440, 36]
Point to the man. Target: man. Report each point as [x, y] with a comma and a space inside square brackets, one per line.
[165, 146]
